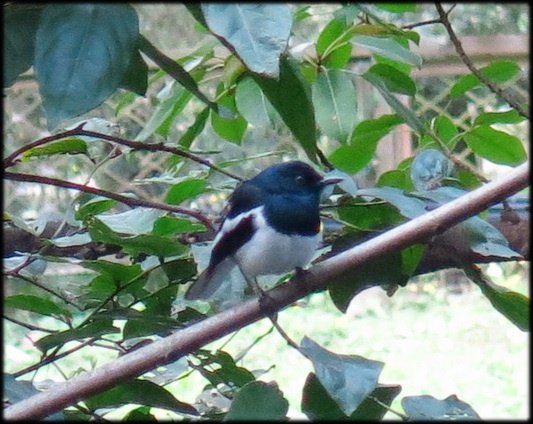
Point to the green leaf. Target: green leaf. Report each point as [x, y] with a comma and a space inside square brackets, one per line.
[141, 392]
[291, 97]
[167, 225]
[220, 367]
[165, 113]
[257, 33]
[93, 329]
[389, 48]
[408, 206]
[411, 257]
[497, 72]
[252, 103]
[39, 305]
[20, 26]
[258, 400]
[398, 178]
[369, 216]
[195, 129]
[185, 190]
[394, 80]
[94, 207]
[348, 379]
[134, 245]
[397, 7]
[365, 138]
[403, 111]
[426, 407]
[446, 131]
[318, 405]
[508, 117]
[229, 128]
[335, 105]
[514, 306]
[82, 52]
[496, 146]
[333, 46]
[70, 146]
[135, 78]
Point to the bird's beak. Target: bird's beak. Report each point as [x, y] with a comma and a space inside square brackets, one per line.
[330, 181]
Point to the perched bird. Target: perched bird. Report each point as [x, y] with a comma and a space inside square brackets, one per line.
[272, 226]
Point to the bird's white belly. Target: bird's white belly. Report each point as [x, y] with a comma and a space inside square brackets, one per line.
[270, 252]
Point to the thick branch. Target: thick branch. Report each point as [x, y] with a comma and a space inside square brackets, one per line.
[466, 60]
[188, 340]
[16, 176]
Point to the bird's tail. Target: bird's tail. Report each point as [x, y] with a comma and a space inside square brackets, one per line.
[209, 281]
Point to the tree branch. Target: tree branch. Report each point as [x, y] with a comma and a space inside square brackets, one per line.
[16, 176]
[135, 145]
[188, 340]
[466, 60]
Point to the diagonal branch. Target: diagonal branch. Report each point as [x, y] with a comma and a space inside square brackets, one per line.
[496, 89]
[190, 339]
[130, 201]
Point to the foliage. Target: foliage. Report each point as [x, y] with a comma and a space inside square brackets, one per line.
[83, 53]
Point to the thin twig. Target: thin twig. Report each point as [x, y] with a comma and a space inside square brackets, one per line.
[496, 89]
[28, 326]
[16, 176]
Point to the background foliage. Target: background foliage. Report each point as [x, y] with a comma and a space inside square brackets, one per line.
[111, 276]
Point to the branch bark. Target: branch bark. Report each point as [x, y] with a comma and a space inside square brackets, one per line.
[188, 340]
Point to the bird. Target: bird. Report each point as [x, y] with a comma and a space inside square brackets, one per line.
[272, 226]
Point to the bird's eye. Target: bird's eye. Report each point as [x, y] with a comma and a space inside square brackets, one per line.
[299, 179]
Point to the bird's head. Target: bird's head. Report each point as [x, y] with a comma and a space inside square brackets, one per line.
[292, 177]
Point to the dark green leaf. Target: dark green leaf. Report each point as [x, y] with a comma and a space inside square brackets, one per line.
[185, 190]
[258, 400]
[508, 117]
[426, 407]
[20, 27]
[335, 105]
[397, 178]
[497, 72]
[167, 225]
[514, 306]
[135, 78]
[82, 52]
[148, 325]
[411, 257]
[140, 414]
[93, 329]
[141, 392]
[318, 405]
[369, 216]
[389, 48]
[394, 80]
[257, 33]
[496, 146]
[348, 379]
[39, 305]
[180, 269]
[195, 129]
[291, 97]
[71, 146]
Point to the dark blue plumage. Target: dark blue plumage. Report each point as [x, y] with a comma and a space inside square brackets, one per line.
[272, 226]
